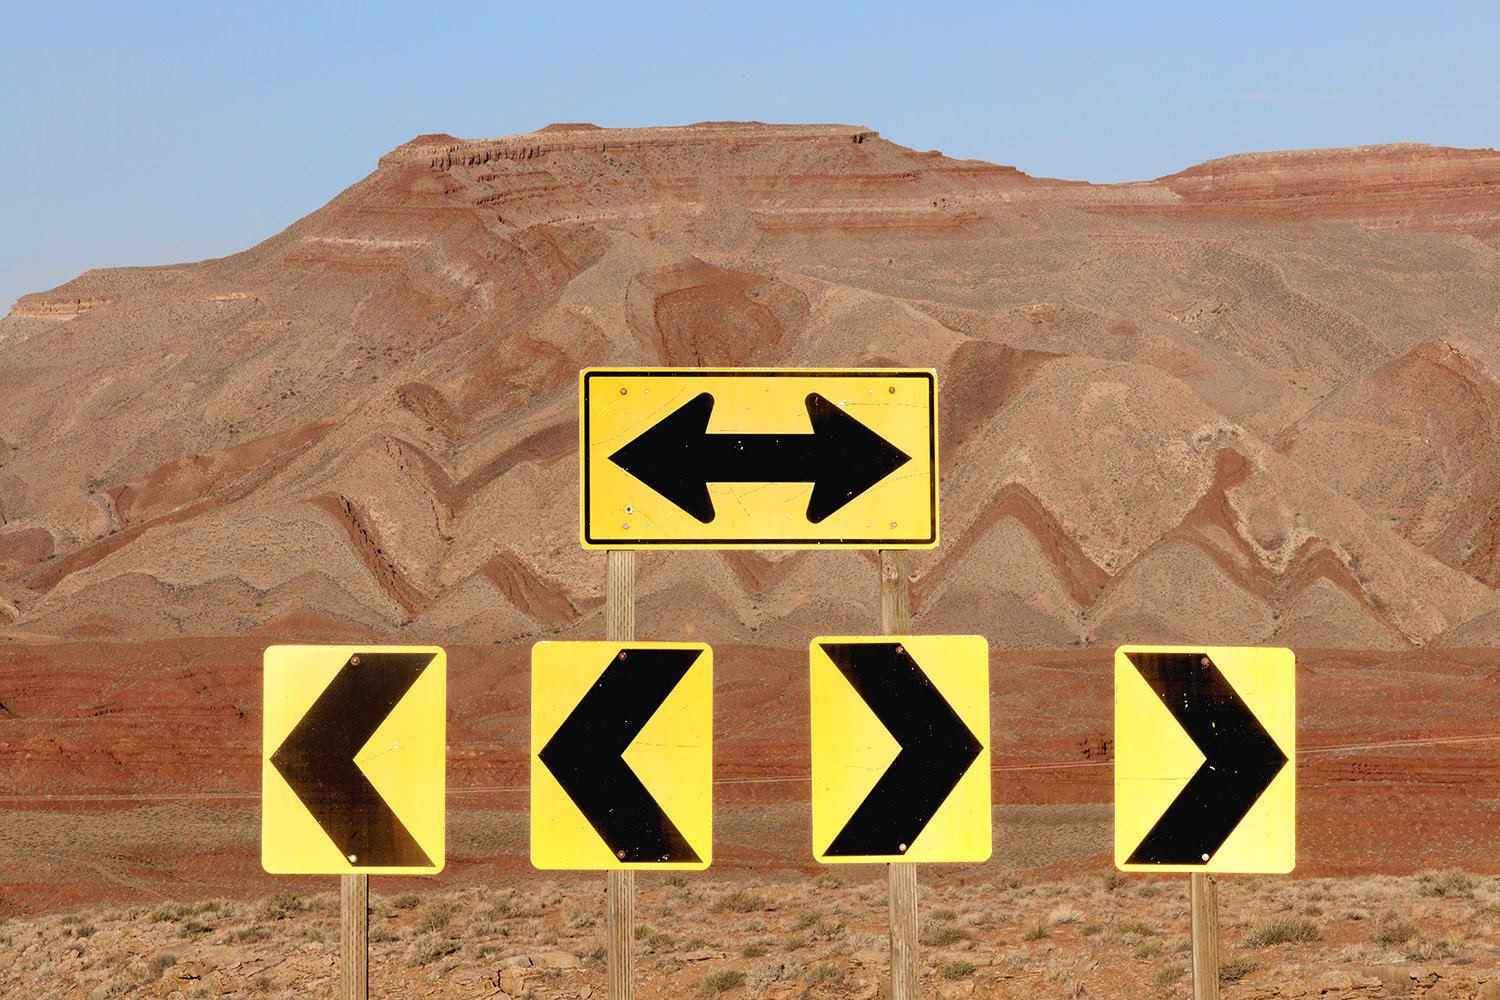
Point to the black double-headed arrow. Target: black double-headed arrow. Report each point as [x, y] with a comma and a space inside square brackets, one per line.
[1240, 759]
[317, 760]
[678, 458]
[936, 748]
[585, 755]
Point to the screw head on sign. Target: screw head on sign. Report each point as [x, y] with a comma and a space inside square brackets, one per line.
[1205, 857]
[1204, 661]
[620, 854]
[623, 390]
[900, 649]
[630, 508]
[622, 654]
[354, 661]
[891, 389]
[902, 848]
[353, 858]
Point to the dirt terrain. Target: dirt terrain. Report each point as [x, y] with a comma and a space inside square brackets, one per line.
[1254, 402]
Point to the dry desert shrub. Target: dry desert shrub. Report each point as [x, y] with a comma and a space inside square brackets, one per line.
[956, 969]
[821, 973]
[944, 935]
[720, 981]
[406, 901]
[279, 906]
[1064, 914]
[1284, 930]
[1392, 930]
[1133, 927]
[737, 901]
[428, 948]
[1168, 974]
[1451, 882]
[435, 917]
[1233, 968]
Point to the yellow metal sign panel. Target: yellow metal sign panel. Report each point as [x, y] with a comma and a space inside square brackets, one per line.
[900, 748]
[621, 755]
[1205, 762]
[352, 770]
[758, 458]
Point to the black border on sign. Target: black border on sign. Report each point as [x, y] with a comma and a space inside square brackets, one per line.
[767, 543]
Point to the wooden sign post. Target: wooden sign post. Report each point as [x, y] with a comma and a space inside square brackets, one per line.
[1205, 903]
[895, 619]
[619, 615]
[354, 936]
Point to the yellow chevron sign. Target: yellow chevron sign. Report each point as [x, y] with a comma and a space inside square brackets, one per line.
[1205, 759]
[900, 748]
[352, 771]
[621, 755]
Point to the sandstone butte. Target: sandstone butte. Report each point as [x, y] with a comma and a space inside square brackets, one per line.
[1254, 402]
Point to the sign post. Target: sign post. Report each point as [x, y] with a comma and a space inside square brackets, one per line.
[1205, 772]
[895, 619]
[619, 883]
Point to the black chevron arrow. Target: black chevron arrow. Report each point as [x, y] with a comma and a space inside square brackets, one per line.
[678, 458]
[317, 760]
[936, 748]
[1240, 759]
[585, 755]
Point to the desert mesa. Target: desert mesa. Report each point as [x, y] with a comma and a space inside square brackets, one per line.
[1253, 402]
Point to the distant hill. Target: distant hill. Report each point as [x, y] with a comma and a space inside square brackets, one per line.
[1255, 401]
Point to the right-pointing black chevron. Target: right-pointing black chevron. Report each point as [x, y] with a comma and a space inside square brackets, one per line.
[1240, 759]
[936, 749]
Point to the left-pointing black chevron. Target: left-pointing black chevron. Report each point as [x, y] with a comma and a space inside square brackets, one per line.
[317, 760]
[1240, 759]
[585, 755]
[936, 748]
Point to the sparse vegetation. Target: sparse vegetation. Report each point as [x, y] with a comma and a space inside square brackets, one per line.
[720, 982]
[1168, 974]
[821, 973]
[1392, 930]
[737, 901]
[1233, 968]
[279, 906]
[812, 940]
[1284, 930]
[435, 917]
[1452, 882]
[944, 935]
[956, 969]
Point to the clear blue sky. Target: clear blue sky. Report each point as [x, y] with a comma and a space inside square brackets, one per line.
[155, 132]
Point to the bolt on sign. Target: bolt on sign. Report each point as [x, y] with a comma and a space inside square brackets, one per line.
[758, 458]
[621, 755]
[352, 770]
[900, 748]
[1205, 761]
